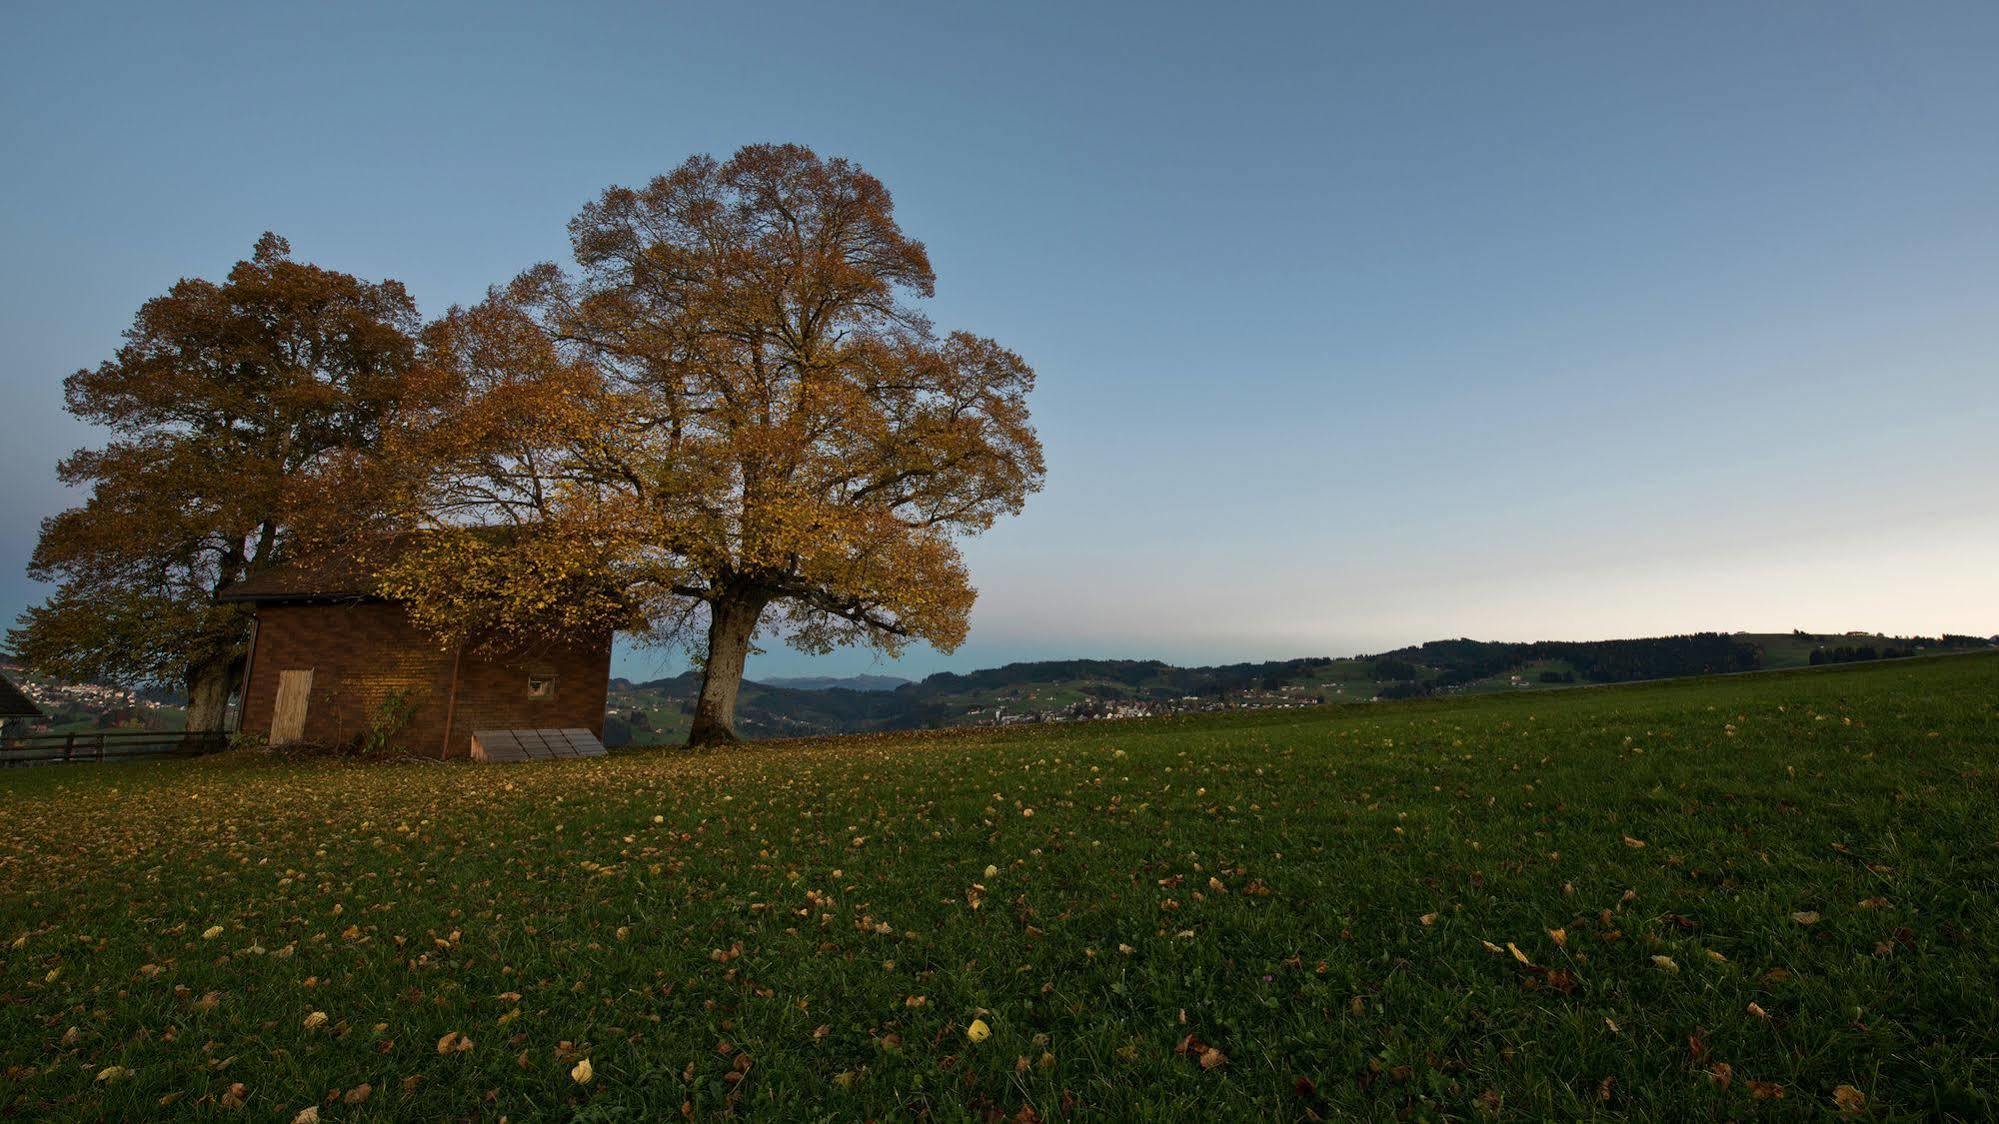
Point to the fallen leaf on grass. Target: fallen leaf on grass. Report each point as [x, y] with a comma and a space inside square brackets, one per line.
[1806, 917]
[583, 1072]
[1849, 1099]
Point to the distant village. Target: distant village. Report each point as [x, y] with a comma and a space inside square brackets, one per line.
[76, 706]
[1103, 710]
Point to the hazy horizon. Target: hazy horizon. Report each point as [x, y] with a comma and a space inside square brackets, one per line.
[1355, 328]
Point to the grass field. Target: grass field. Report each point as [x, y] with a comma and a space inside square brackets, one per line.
[1767, 893]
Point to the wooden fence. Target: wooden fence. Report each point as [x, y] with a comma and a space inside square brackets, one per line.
[106, 745]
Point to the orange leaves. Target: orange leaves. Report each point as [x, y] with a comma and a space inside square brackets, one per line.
[454, 1043]
[1206, 1056]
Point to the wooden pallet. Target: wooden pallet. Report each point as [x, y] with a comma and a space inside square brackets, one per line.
[534, 745]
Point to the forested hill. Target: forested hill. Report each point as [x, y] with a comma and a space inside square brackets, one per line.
[1080, 690]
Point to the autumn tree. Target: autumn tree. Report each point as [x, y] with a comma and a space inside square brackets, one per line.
[223, 397]
[728, 421]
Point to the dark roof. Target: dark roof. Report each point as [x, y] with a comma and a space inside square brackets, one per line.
[332, 578]
[14, 704]
[337, 575]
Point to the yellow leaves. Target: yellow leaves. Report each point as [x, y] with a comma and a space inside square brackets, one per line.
[307, 1115]
[315, 1020]
[1517, 954]
[1428, 919]
[1806, 917]
[978, 1031]
[582, 1073]
[1560, 937]
[212, 932]
[1666, 964]
[992, 871]
[111, 1073]
[453, 1043]
[1634, 844]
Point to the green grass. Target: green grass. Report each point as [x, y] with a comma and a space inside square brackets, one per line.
[1315, 895]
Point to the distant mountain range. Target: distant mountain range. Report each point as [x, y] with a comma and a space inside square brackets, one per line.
[832, 682]
[1086, 690]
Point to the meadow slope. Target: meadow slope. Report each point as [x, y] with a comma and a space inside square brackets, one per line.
[1772, 892]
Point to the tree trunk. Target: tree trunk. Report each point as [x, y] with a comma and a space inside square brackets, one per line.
[732, 621]
[208, 687]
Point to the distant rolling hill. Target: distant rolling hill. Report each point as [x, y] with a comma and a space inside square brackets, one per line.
[1084, 690]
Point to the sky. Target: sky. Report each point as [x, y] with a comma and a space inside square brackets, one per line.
[1356, 325]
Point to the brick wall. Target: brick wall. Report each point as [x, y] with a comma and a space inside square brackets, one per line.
[361, 654]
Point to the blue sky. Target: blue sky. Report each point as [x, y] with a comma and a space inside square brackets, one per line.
[1356, 324]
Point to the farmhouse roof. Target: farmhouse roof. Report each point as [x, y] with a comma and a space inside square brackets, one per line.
[15, 704]
[332, 578]
[338, 576]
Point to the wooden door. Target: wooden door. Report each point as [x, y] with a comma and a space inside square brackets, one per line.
[288, 716]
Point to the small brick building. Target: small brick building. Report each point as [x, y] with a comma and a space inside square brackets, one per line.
[329, 659]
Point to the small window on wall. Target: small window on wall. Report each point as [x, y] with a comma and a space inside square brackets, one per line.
[541, 686]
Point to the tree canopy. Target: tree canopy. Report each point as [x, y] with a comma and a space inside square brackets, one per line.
[221, 400]
[729, 417]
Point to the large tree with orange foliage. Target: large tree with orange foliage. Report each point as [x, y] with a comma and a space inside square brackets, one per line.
[222, 399]
[729, 420]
